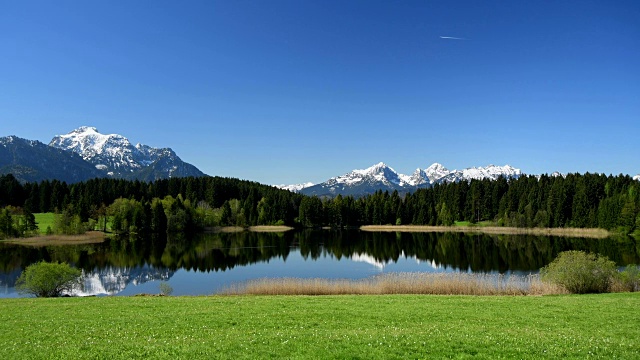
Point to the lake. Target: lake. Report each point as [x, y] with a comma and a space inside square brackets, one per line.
[208, 263]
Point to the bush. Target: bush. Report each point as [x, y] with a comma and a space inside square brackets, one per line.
[630, 278]
[165, 289]
[45, 279]
[580, 273]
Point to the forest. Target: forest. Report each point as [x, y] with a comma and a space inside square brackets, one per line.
[191, 204]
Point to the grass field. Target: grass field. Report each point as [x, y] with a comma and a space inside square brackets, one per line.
[44, 220]
[382, 327]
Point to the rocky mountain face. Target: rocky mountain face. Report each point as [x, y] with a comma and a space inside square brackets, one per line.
[117, 157]
[32, 161]
[383, 177]
[85, 154]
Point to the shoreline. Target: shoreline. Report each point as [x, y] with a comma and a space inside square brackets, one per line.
[493, 230]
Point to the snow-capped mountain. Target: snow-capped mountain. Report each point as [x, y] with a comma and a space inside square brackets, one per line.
[294, 187]
[383, 177]
[361, 182]
[427, 176]
[637, 177]
[480, 173]
[117, 157]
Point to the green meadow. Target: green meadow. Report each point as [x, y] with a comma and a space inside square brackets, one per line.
[354, 327]
[44, 220]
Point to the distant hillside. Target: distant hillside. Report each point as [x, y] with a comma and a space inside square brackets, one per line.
[32, 161]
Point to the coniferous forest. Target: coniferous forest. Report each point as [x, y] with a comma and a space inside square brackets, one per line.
[190, 204]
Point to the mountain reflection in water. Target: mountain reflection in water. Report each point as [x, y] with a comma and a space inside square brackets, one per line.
[130, 265]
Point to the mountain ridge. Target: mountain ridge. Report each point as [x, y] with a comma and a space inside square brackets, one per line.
[31, 160]
[115, 155]
[382, 177]
[84, 154]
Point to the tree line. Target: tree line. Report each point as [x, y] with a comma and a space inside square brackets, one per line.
[170, 205]
[575, 200]
[185, 204]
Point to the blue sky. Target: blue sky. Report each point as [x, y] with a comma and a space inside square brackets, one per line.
[292, 91]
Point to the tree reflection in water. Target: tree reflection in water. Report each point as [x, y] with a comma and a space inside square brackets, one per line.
[224, 251]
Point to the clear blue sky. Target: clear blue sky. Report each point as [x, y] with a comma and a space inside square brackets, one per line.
[292, 91]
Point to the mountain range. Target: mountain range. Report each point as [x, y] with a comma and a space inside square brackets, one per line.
[84, 154]
[382, 177]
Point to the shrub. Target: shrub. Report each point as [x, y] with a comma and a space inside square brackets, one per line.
[630, 278]
[165, 289]
[45, 279]
[580, 273]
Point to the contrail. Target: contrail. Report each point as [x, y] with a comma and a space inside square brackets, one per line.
[451, 38]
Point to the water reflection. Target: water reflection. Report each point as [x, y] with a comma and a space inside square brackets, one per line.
[133, 265]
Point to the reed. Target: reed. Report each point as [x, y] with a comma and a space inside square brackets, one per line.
[90, 237]
[401, 283]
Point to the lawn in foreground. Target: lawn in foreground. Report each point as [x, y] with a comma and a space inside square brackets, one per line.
[389, 326]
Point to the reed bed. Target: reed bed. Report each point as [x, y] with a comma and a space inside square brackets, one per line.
[270, 228]
[495, 230]
[237, 229]
[401, 283]
[90, 237]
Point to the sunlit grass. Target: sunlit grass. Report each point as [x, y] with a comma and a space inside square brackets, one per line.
[44, 220]
[372, 327]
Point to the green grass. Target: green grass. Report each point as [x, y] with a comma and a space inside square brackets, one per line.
[47, 219]
[384, 327]
[43, 220]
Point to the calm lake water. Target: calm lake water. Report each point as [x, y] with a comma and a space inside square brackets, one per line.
[207, 263]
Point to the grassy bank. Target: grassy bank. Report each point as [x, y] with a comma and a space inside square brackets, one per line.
[569, 232]
[384, 327]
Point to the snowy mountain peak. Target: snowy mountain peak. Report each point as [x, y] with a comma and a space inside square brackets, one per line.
[85, 129]
[436, 172]
[117, 157]
[382, 177]
[491, 172]
[295, 187]
[637, 177]
[375, 169]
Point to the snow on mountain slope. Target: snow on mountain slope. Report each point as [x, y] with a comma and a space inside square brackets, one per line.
[359, 182]
[479, 173]
[116, 156]
[383, 177]
[113, 153]
[294, 187]
[436, 172]
[637, 177]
